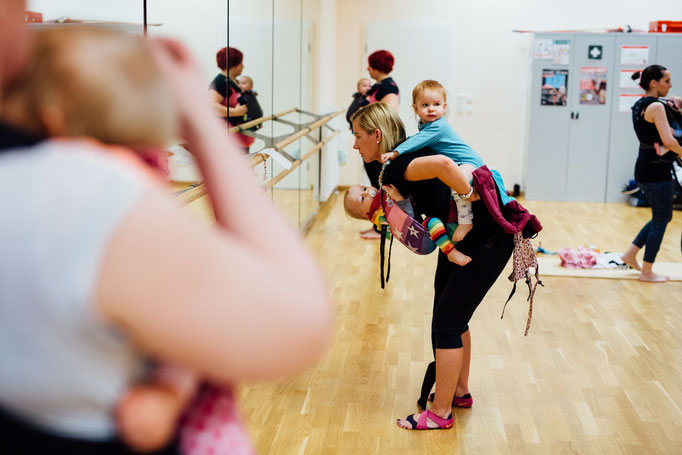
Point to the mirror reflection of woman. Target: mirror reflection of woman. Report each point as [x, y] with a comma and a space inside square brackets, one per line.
[380, 66]
[225, 91]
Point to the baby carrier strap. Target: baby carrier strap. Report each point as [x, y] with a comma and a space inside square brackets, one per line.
[516, 220]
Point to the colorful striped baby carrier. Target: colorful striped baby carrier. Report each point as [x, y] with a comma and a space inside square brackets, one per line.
[390, 219]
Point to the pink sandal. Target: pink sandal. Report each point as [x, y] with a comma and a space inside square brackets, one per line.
[465, 401]
[443, 424]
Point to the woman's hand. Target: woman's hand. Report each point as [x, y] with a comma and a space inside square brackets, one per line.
[238, 110]
[393, 192]
[676, 102]
[388, 156]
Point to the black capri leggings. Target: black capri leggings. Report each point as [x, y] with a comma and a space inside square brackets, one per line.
[459, 290]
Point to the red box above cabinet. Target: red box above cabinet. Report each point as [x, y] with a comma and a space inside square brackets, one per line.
[665, 27]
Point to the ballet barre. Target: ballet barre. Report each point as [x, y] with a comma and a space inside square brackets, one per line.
[273, 181]
[198, 190]
[255, 122]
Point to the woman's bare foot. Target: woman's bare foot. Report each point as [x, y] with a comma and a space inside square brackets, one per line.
[631, 260]
[461, 231]
[458, 258]
[651, 277]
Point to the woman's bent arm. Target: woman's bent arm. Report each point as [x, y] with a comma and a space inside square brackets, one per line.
[244, 300]
[392, 100]
[438, 167]
[216, 99]
[656, 113]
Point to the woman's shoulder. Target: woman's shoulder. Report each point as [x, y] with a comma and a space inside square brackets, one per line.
[220, 78]
[388, 86]
[644, 102]
[79, 164]
[218, 82]
[77, 188]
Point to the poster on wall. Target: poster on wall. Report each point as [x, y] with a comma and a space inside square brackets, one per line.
[554, 87]
[634, 55]
[543, 48]
[561, 51]
[593, 84]
[626, 101]
[626, 79]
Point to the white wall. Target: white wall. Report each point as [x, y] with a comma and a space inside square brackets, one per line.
[490, 60]
[120, 10]
[202, 26]
[326, 93]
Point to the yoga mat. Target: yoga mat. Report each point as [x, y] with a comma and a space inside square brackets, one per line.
[551, 266]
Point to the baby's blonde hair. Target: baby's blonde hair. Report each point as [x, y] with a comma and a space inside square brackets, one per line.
[352, 211]
[104, 82]
[428, 84]
[382, 117]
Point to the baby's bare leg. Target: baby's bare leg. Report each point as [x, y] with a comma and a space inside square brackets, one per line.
[465, 215]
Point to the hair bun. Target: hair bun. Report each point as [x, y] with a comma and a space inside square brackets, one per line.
[636, 75]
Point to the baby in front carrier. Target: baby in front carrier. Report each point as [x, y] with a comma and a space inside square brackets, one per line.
[248, 98]
[673, 111]
[359, 99]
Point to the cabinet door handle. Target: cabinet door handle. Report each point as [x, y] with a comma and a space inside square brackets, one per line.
[572, 115]
[577, 115]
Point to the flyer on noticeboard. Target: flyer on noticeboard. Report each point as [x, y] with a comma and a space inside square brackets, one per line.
[561, 52]
[593, 85]
[634, 55]
[554, 87]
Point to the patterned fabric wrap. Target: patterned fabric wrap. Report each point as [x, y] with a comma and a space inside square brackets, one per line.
[439, 234]
[524, 261]
[378, 218]
[513, 219]
[213, 425]
[406, 229]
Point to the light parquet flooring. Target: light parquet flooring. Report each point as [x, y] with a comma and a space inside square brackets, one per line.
[297, 206]
[600, 371]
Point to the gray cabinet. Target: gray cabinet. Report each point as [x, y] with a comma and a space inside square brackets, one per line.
[580, 141]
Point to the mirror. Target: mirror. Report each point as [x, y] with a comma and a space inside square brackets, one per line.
[278, 43]
[276, 39]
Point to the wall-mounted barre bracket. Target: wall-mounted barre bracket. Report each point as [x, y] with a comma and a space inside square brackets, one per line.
[280, 156]
[303, 130]
[245, 126]
[298, 162]
[298, 126]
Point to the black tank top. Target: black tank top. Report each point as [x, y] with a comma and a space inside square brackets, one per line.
[650, 167]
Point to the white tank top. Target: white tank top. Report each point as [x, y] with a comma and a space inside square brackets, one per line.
[63, 366]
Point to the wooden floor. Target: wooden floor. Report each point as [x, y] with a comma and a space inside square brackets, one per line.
[297, 206]
[599, 373]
